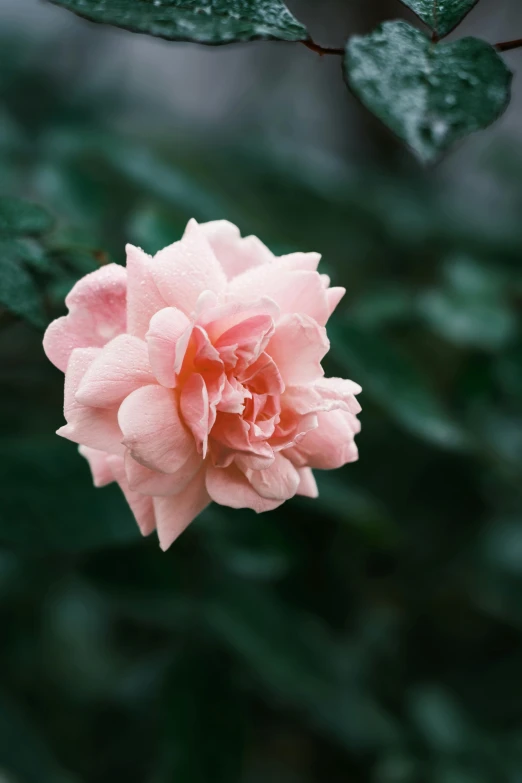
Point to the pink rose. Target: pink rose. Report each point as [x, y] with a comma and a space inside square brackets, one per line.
[196, 376]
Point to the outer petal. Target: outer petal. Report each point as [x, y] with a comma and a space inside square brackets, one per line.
[326, 394]
[305, 261]
[94, 427]
[120, 368]
[167, 338]
[175, 513]
[141, 505]
[99, 465]
[331, 445]
[187, 268]
[235, 254]
[96, 314]
[152, 482]
[230, 487]
[278, 482]
[294, 292]
[297, 347]
[143, 297]
[307, 483]
[153, 431]
[334, 296]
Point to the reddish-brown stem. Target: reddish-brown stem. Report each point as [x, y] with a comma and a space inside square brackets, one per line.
[322, 49]
[508, 45]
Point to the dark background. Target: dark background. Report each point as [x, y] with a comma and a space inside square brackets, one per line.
[371, 636]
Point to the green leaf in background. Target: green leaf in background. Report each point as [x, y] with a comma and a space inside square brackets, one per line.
[472, 308]
[22, 218]
[203, 734]
[63, 512]
[430, 96]
[441, 15]
[393, 382]
[23, 752]
[214, 22]
[19, 292]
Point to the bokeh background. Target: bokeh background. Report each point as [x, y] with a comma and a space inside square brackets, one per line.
[371, 636]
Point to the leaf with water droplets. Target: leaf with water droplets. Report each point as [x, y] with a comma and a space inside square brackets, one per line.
[430, 96]
[442, 16]
[201, 21]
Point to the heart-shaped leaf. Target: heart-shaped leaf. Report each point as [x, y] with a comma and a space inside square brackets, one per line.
[202, 21]
[429, 95]
[441, 15]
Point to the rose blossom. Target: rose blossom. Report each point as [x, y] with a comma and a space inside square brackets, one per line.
[196, 375]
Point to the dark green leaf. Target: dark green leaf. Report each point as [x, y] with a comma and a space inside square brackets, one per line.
[23, 752]
[49, 503]
[388, 377]
[472, 307]
[487, 324]
[204, 727]
[18, 291]
[430, 96]
[438, 718]
[22, 218]
[298, 663]
[214, 22]
[355, 508]
[441, 15]
[501, 544]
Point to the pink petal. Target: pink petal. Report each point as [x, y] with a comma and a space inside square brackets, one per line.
[186, 269]
[143, 297]
[297, 347]
[152, 482]
[153, 431]
[294, 292]
[220, 318]
[167, 338]
[99, 465]
[140, 505]
[206, 356]
[96, 428]
[232, 435]
[96, 314]
[252, 461]
[195, 410]
[304, 261]
[334, 296]
[175, 513]
[230, 487]
[233, 396]
[245, 341]
[121, 367]
[291, 429]
[263, 376]
[325, 394]
[307, 484]
[331, 445]
[235, 254]
[278, 482]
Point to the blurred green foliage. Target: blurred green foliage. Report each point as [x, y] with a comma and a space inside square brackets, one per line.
[371, 636]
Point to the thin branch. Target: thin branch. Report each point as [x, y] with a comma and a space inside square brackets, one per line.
[321, 50]
[508, 45]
